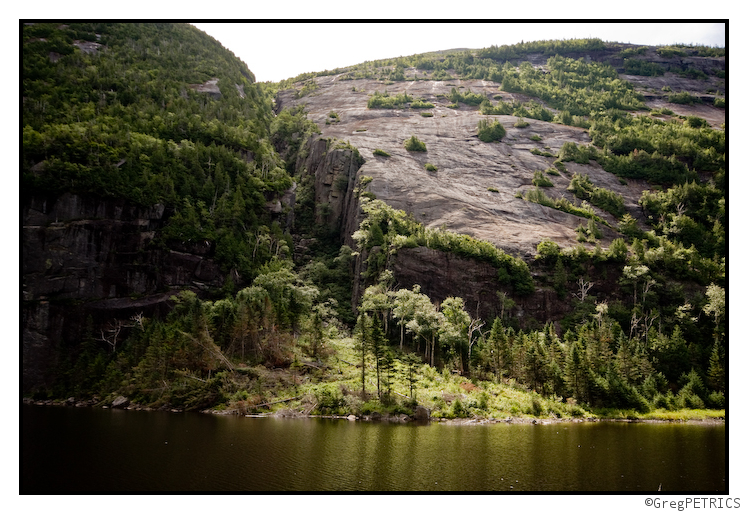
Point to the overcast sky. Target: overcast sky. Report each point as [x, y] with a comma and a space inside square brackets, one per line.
[276, 51]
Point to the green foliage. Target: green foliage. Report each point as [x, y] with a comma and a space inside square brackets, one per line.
[548, 251]
[670, 51]
[400, 230]
[468, 98]
[385, 101]
[562, 204]
[551, 47]
[421, 104]
[539, 179]
[148, 136]
[487, 108]
[380, 152]
[309, 87]
[415, 145]
[533, 110]
[490, 131]
[629, 52]
[642, 67]
[571, 152]
[607, 200]
[684, 97]
[430, 167]
[691, 213]
[576, 86]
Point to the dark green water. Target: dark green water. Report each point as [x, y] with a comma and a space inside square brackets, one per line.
[66, 449]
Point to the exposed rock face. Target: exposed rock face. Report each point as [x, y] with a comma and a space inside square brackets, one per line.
[474, 188]
[84, 257]
[120, 402]
[457, 195]
[442, 275]
[335, 171]
[210, 88]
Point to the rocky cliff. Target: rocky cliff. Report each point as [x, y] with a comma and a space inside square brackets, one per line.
[90, 257]
[476, 187]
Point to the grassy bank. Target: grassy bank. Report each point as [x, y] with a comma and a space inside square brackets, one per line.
[333, 387]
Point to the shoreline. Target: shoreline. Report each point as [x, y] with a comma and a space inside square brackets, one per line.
[375, 417]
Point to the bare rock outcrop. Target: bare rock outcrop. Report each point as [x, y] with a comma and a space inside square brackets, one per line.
[87, 258]
[474, 188]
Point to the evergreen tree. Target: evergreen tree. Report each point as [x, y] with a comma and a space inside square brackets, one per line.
[716, 371]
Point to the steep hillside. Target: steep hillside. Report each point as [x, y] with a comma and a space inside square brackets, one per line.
[546, 216]
[146, 161]
[474, 188]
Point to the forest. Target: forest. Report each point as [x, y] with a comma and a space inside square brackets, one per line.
[129, 121]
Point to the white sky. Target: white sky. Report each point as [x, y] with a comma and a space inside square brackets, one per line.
[275, 51]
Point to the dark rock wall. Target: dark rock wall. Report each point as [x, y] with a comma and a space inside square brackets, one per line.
[442, 275]
[335, 172]
[90, 258]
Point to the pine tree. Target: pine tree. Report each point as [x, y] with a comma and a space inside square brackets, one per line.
[363, 344]
[500, 350]
[576, 372]
[716, 371]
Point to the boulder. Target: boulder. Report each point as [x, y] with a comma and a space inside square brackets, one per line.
[421, 414]
[120, 402]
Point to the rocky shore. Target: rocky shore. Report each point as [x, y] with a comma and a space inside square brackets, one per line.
[421, 414]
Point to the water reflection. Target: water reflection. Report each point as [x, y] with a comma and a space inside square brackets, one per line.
[66, 449]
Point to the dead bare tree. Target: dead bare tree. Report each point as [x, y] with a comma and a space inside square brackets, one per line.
[584, 287]
[138, 320]
[475, 326]
[110, 333]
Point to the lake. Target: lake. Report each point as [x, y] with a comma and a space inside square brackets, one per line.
[67, 449]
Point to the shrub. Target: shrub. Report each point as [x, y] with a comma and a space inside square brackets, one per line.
[670, 51]
[329, 398]
[716, 400]
[458, 410]
[468, 98]
[521, 123]
[385, 101]
[695, 122]
[489, 131]
[639, 67]
[540, 180]
[605, 199]
[500, 108]
[415, 145]
[684, 97]
[571, 152]
[380, 152]
[421, 104]
[548, 251]
[430, 167]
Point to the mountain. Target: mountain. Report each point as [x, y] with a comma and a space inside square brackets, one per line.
[183, 224]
